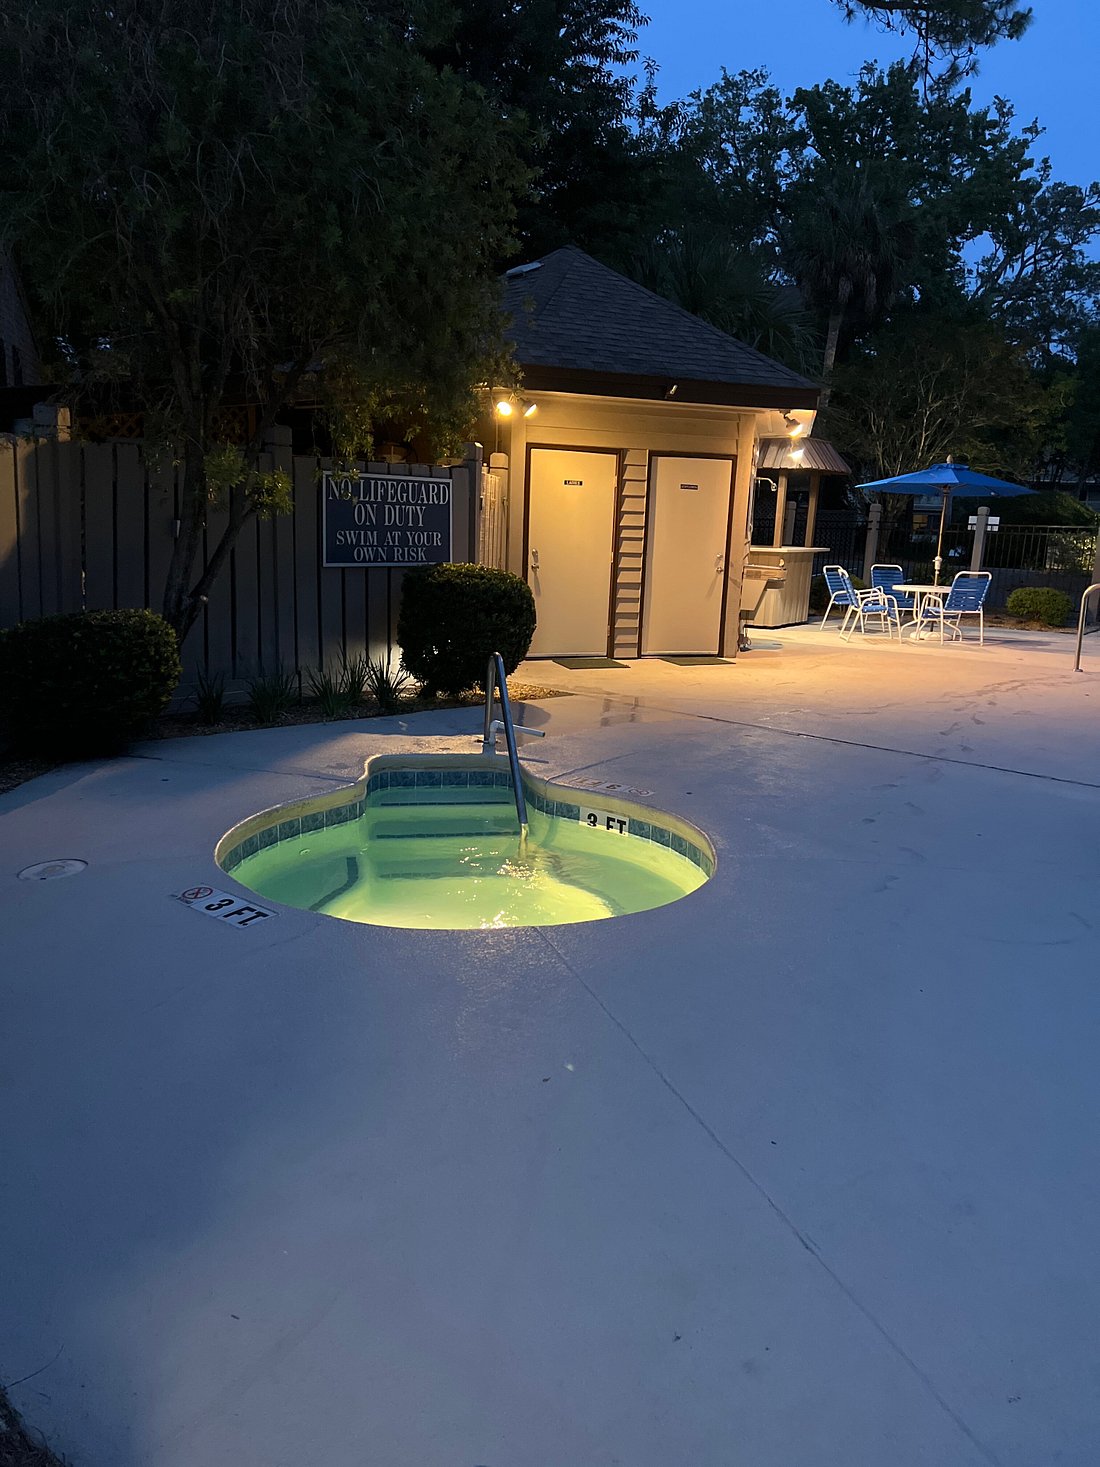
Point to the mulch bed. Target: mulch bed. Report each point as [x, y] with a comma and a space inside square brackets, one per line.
[1022, 624]
[16, 769]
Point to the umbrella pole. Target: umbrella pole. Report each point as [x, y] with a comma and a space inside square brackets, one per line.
[939, 543]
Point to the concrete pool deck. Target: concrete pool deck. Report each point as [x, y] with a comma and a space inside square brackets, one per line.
[802, 1171]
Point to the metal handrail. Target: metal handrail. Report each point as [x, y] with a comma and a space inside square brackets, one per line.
[495, 679]
[1081, 623]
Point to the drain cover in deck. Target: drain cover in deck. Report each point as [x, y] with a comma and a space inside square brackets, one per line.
[51, 870]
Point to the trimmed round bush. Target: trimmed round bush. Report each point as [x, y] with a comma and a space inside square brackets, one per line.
[453, 617]
[85, 684]
[819, 592]
[1040, 603]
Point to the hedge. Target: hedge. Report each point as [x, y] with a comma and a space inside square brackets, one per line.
[1040, 603]
[87, 683]
[453, 617]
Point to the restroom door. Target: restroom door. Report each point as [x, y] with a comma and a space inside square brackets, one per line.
[687, 535]
[570, 542]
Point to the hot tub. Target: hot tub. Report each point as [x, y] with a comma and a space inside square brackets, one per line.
[433, 841]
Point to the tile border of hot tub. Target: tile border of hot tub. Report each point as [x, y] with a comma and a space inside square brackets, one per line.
[316, 812]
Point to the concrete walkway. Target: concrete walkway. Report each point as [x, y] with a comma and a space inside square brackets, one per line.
[801, 1171]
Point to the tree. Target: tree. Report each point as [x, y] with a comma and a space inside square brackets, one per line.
[947, 33]
[931, 384]
[1039, 276]
[730, 288]
[847, 250]
[952, 171]
[217, 198]
[727, 155]
[561, 69]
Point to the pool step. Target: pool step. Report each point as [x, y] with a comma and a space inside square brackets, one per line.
[443, 818]
[407, 796]
[425, 860]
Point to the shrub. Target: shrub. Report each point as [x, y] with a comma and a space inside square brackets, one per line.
[338, 691]
[86, 683]
[454, 616]
[209, 696]
[819, 592]
[271, 694]
[1040, 603]
[386, 684]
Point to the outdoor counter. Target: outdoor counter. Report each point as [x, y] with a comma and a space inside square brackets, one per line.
[786, 599]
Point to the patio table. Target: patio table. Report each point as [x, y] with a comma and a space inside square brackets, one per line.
[921, 595]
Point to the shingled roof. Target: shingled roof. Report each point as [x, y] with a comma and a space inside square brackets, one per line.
[578, 326]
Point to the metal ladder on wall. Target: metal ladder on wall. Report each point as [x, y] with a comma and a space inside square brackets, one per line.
[495, 679]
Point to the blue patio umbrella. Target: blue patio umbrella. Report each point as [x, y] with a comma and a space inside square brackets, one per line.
[943, 479]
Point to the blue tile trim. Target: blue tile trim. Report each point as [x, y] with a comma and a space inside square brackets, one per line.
[484, 779]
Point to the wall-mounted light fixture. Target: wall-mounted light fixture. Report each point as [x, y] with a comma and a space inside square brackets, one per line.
[793, 426]
[506, 404]
[671, 390]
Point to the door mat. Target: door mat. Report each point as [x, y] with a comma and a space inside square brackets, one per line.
[699, 661]
[580, 664]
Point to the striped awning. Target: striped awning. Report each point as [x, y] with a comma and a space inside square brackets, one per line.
[818, 454]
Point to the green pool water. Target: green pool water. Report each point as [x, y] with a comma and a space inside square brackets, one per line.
[453, 860]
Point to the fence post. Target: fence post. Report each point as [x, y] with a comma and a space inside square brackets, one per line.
[780, 511]
[981, 529]
[870, 552]
[811, 512]
[473, 460]
[499, 465]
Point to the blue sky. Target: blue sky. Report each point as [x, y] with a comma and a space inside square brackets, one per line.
[1052, 74]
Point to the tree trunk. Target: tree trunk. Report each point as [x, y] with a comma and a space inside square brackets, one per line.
[180, 608]
[832, 339]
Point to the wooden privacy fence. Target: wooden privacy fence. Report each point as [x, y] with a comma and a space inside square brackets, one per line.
[88, 526]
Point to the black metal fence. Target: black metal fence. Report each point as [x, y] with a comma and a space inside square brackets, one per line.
[846, 538]
[1017, 555]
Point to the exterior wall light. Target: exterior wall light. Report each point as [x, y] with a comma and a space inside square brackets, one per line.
[530, 410]
[793, 426]
[503, 408]
[671, 390]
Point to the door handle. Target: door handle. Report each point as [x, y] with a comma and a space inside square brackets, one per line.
[719, 565]
[534, 559]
